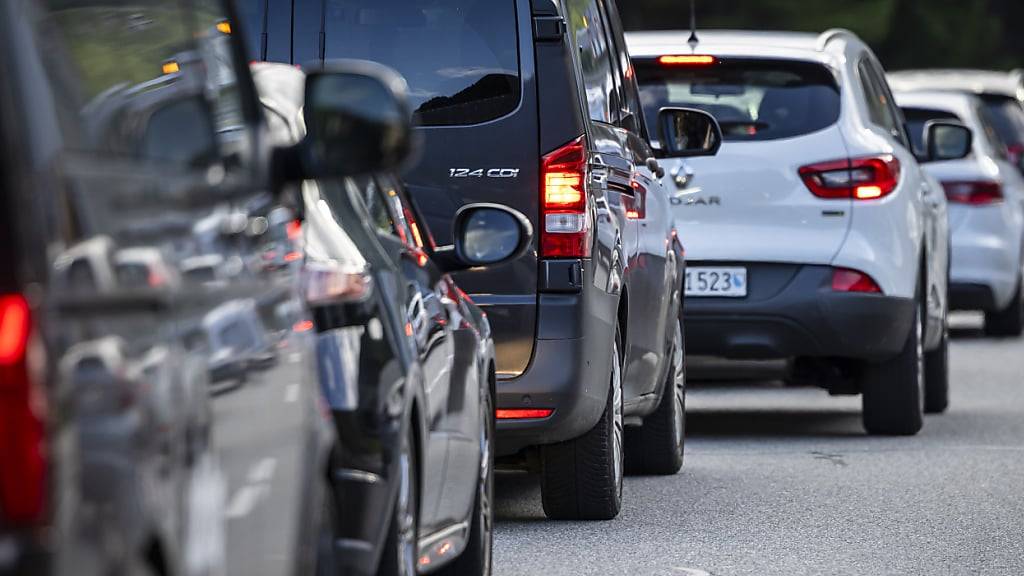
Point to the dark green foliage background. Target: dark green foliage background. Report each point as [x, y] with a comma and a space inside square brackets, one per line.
[904, 33]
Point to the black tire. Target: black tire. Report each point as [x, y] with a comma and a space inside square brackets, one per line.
[657, 446]
[894, 390]
[475, 560]
[581, 479]
[936, 376]
[400, 548]
[1008, 322]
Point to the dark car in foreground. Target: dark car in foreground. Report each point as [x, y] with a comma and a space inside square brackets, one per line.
[533, 104]
[134, 147]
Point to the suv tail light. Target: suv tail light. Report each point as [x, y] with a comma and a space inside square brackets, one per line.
[847, 280]
[973, 192]
[857, 178]
[566, 221]
[22, 412]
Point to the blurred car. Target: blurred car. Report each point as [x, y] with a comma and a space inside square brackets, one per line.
[587, 323]
[123, 158]
[985, 192]
[814, 234]
[235, 341]
[413, 467]
[1001, 94]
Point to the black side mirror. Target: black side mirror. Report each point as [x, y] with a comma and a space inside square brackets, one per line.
[945, 140]
[688, 132]
[357, 120]
[485, 235]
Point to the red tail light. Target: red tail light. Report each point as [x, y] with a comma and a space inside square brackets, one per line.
[22, 412]
[566, 228]
[858, 178]
[520, 413]
[974, 193]
[846, 280]
[1016, 152]
[687, 60]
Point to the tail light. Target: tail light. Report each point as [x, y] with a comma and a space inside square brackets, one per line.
[687, 60]
[23, 462]
[846, 280]
[522, 413]
[857, 178]
[564, 203]
[973, 192]
[1016, 152]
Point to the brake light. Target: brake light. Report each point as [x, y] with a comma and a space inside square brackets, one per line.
[857, 178]
[566, 230]
[22, 411]
[847, 280]
[522, 413]
[973, 192]
[687, 60]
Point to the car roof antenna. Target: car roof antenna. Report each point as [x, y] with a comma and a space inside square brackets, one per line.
[693, 40]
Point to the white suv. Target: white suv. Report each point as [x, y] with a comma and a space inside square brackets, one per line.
[814, 234]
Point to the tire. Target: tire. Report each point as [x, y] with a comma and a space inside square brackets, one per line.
[657, 446]
[475, 560]
[936, 376]
[894, 390]
[1010, 320]
[400, 548]
[581, 479]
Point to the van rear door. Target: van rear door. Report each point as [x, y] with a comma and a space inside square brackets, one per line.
[470, 74]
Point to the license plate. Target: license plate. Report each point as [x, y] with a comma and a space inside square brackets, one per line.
[713, 281]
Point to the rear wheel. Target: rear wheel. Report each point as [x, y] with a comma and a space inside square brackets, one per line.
[657, 446]
[399, 555]
[475, 560]
[1010, 320]
[936, 376]
[581, 479]
[894, 390]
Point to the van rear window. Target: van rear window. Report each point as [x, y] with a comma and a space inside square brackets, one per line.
[751, 99]
[460, 57]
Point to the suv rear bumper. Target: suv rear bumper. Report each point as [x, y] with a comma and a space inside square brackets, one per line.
[792, 311]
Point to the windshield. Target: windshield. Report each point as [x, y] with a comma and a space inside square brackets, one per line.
[752, 100]
[1007, 117]
[460, 57]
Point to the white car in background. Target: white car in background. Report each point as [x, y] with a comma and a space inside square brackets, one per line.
[1001, 93]
[814, 234]
[985, 192]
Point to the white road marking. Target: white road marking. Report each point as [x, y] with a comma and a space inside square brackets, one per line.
[291, 393]
[256, 489]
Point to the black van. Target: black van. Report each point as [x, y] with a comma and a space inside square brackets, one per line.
[533, 104]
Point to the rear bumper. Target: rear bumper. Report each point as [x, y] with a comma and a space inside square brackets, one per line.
[568, 372]
[792, 311]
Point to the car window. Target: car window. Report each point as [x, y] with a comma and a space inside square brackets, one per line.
[460, 57]
[376, 204]
[917, 118]
[880, 105]
[590, 35]
[753, 100]
[1007, 117]
[990, 133]
[629, 92]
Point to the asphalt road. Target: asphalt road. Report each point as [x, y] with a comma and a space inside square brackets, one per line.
[781, 480]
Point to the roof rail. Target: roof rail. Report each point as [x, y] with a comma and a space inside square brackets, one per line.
[831, 34]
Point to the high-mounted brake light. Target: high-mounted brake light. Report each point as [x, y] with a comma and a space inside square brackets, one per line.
[23, 462]
[522, 413]
[566, 228]
[687, 60]
[973, 192]
[867, 178]
[846, 280]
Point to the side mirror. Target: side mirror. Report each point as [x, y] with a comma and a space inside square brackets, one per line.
[944, 140]
[688, 132]
[485, 235]
[357, 120]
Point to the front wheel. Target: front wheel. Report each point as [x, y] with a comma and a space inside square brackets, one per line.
[581, 479]
[894, 390]
[936, 376]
